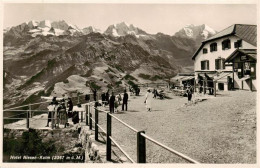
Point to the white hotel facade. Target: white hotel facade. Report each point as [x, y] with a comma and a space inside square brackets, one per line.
[228, 58]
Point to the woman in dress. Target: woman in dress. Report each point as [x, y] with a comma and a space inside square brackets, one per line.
[148, 100]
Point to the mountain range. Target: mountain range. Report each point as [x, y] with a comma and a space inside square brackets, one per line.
[54, 58]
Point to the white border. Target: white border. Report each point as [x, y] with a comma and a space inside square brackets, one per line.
[78, 165]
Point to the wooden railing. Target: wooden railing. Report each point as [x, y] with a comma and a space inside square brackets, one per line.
[141, 136]
[89, 120]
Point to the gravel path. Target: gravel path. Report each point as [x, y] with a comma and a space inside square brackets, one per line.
[217, 130]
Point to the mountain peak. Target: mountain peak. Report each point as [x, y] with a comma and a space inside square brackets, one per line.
[90, 29]
[193, 31]
[123, 29]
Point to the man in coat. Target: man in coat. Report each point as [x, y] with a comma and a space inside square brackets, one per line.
[125, 99]
[112, 103]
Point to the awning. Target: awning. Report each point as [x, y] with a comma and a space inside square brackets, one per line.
[182, 78]
[210, 76]
[244, 78]
[185, 78]
[177, 78]
[222, 77]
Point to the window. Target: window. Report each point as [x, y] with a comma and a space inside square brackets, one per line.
[213, 47]
[238, 44]
[204, 65]
[245, 68]
[238, 66]
[219, 63]
[226, 44]
[205, 50]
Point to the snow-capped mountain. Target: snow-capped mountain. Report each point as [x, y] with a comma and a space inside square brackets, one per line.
[122, 29]
[90, 29]
[57, 51]
[47, 27]
[195, 32]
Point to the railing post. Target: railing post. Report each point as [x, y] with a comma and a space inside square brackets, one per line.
[90, 118]
[96, 123]
[215, 90]
[108, 145]
[30, 110]
[141, 148]
[52, 119]
[86, 109]
[204, 89]
[81, 117]
[28, 120]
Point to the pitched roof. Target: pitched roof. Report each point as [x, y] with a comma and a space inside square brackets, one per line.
[247, 33]
[249, 52]
[226, 31]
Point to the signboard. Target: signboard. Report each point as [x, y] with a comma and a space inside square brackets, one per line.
[243, 57]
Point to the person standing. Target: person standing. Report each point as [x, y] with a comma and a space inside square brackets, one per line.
[103, 98]
[63, 118]
[51, 109]
[107, 96]
[189, 93]
[125, 100]
[70, 107]
[148, 100]
[95, 94]
[119, 99]
[112, 103]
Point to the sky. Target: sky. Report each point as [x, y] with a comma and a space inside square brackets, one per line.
[152, 18]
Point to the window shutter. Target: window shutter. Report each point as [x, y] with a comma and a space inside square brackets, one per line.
[236, 44]
[201, 65]
[240, 43]
[223, 63]
[207, 65]
[216, 64]
[216, 47]
[223, 45]
[229, 45]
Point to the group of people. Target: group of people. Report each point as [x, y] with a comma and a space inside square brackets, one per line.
[135, 90]
[60, 112]
[114, 101]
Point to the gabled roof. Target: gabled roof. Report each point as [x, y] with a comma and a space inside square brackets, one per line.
[249, 52]
[225, 32]
[247, 33]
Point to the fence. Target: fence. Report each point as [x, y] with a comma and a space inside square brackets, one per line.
[141, 137]
[26, 113]
[89, 120]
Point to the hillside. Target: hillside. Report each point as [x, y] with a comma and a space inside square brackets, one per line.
[53, 63]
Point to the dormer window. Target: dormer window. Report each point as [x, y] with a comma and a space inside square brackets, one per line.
[205, 51]
[238, 44]
[213, 47]
[226, 44]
